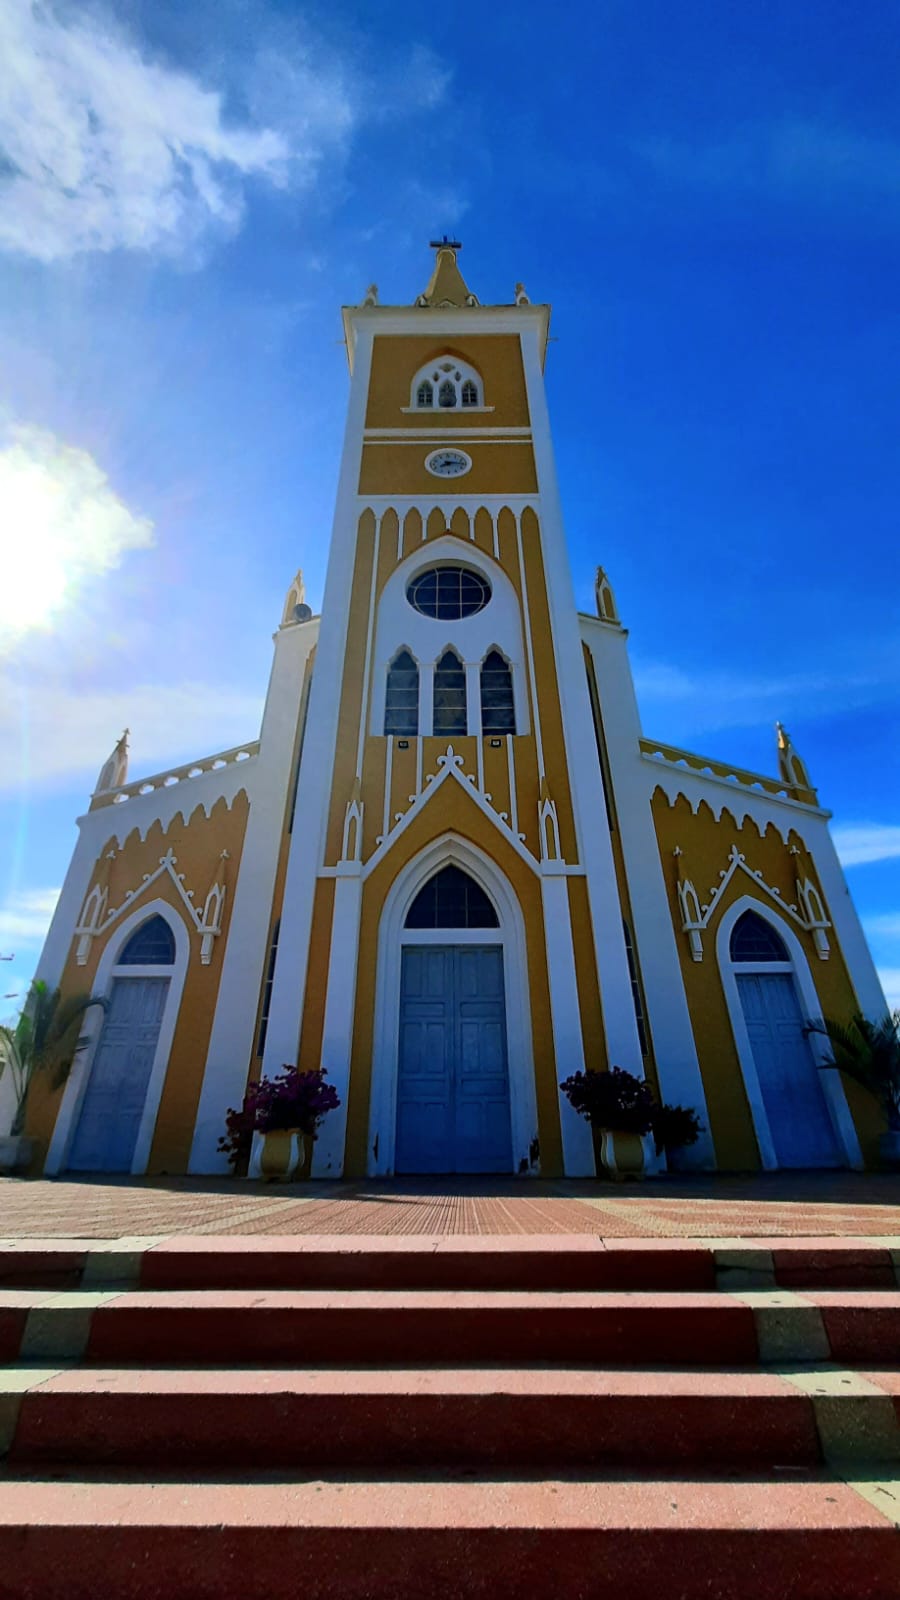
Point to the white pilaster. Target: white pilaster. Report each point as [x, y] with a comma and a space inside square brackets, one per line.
[93, 830]
[846, 923]
[246, 951]
[680, 1078]
[316, 771]
[594, 845]
[565, 1012]
[340, 1011]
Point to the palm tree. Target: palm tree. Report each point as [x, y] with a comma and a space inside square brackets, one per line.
[868, 1052]
[46, 1038]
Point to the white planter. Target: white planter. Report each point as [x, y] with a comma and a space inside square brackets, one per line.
[15, 1152]
[295, 1160]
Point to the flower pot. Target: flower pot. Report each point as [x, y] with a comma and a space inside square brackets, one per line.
[15, 1152]
[889, 1148]
[279, 1155]
[622, 1154]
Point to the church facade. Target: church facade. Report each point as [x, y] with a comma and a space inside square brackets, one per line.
[452, 870]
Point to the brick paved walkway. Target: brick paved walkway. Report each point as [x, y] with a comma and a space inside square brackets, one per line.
[838, 1204]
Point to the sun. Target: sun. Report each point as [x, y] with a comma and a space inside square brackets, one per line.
[61, 526]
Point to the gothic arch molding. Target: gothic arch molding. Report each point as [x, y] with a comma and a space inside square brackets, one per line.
[835, 1099]
[107, 970]
[450, 848]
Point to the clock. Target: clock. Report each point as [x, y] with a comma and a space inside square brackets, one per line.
[448, 463]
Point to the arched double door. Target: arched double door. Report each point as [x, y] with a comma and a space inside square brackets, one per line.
[109, 1118]
[453, 1101]
[790, 1083]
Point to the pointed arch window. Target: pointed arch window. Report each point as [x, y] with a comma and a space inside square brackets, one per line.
[498, 710]
[447, 382]
[754, 939]
[449, 696]
[451, 899]
[151, 945]
[401, 701]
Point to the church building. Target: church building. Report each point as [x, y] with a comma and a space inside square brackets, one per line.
[451, 868]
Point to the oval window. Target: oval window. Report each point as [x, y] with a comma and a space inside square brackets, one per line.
[449, 593]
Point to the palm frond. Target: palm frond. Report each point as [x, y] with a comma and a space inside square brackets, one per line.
[869, 1053]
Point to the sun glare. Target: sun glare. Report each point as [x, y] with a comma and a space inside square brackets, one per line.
[61, 526]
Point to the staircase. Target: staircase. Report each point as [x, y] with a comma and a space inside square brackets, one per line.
[410, 1417]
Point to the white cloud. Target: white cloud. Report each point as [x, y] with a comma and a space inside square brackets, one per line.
[108, 149]
[51, 736]
[24, 919]
[884, 925]
[859, 843]
[62, 525]
[791, 157]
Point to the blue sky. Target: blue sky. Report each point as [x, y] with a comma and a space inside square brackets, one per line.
[709, 196]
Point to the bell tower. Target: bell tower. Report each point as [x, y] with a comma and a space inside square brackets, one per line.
[449, 730]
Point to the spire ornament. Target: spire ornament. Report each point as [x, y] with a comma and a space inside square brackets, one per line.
[604, 597]
[790, 767]
[114, 771]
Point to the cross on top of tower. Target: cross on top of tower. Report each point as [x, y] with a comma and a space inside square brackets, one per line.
[444, 244]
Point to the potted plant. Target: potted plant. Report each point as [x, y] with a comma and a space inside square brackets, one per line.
[282, 1116]
[46, 1038]
[675, 1127]
[620, 1109]
[869, 1053]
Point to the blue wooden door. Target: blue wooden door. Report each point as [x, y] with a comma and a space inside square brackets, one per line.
[789, 1079]
[113, 1104]
[453, 1078]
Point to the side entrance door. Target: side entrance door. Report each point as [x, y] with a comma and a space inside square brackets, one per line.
[117, 1088]
[453, 1080]
[790, 1082]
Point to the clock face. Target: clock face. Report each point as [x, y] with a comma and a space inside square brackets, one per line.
[448, 463]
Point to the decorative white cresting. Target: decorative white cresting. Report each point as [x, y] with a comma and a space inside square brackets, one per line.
[173, 775]
[695, 916]
[96, 916]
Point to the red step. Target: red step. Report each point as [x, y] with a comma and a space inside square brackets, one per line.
[685, 1539]
[537, 1420]
[338, 1328]
[548, 1262]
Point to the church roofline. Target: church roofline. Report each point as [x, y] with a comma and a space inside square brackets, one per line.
[445, 322]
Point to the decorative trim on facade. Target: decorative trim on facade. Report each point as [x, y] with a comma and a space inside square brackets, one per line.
[95, 918]
[450, 765]
[696, 917]
[548, 826]
[351, 844]
[172, 775]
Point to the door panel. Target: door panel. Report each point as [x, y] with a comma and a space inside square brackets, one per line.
[113, 1103]
[453, 1108]
[789, 1079]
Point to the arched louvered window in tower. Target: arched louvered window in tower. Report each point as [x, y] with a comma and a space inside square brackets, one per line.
[498, 711]
[451, 899]
[151, 945]
[469, 393]
[449, 696]
[401, 703]
[754, 939]
[425, 395]
[447, 394]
